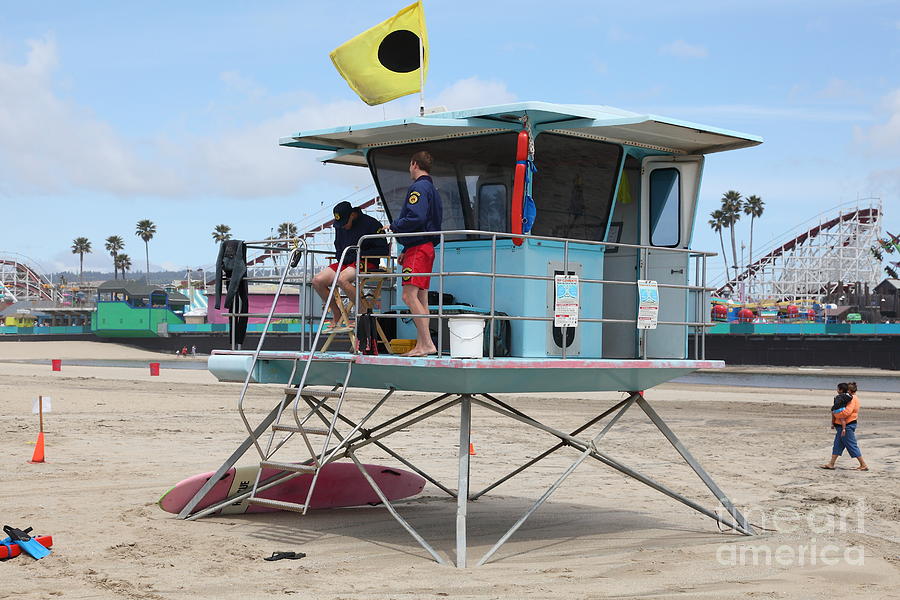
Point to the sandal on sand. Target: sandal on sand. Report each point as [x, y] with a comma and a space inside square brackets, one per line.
[827, 467]
[861, 469]
[287, 555]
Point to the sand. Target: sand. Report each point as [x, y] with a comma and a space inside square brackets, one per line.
[117, 439]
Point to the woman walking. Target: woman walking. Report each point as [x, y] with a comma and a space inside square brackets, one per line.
[844, 414]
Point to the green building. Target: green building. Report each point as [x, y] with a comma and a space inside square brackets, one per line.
[133, 309]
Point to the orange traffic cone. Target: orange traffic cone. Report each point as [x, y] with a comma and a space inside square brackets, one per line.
[38, 456]
[471, 449]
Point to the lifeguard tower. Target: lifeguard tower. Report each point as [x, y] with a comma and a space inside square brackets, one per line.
[534, 194]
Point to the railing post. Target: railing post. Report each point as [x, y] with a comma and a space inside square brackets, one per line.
[705, 312]
[642, 275]
[565, 330]
[493, 293]
[440, 319]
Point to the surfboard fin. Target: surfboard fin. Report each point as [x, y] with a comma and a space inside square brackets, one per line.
[28, 544]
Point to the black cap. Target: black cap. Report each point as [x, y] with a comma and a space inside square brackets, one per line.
[341, 211]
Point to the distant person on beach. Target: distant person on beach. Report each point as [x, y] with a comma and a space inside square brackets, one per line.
[844, 414]
[350, 224]
[422, 212]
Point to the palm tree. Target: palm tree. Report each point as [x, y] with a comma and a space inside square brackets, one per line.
[287, 230]
[732, 205]
[221, 233]
[81, 246]
[146, 229]
[718, 224]
[754, 206]
[123, 263]
[114, 243]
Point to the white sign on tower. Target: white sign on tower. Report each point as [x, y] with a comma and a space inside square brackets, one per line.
[565, 306]
[648, 307]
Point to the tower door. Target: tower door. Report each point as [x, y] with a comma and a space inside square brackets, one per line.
[669, 188]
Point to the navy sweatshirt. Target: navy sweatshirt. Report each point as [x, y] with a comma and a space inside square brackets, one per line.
[422, 211]
[363, 225]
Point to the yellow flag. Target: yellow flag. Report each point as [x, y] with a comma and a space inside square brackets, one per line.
[383, 63]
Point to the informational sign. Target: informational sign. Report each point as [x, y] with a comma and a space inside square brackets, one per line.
[648, 307]
[565, 307]
[35, 406]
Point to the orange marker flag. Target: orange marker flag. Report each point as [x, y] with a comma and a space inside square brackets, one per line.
[38, 456]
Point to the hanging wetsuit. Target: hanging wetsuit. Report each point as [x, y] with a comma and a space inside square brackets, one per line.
[232, 265]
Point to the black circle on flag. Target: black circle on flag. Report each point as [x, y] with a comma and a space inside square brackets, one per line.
[399, 51]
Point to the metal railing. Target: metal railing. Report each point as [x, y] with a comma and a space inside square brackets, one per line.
[699, 287]
[303, 274]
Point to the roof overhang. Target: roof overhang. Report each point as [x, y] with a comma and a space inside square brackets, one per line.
[348, 144]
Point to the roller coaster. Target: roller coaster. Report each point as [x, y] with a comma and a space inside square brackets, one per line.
[810, 260]
[20, 279]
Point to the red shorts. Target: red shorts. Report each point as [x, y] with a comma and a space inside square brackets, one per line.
[418, 259]
[368, 265]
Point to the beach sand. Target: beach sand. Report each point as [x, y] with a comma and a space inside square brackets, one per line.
[117, 439]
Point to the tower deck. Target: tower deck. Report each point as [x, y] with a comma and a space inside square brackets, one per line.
[455, 375]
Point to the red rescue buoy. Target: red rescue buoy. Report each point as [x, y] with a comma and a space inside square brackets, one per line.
[518, 195]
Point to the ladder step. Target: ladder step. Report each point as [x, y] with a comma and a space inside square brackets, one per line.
[292, 391]
[281, 466]
[304, 429]
[279, 504]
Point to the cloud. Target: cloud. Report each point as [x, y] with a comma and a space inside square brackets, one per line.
[617, 35]
[884, 136]
[50, 144]
[835, 90]
[241, 84]
[839, 89]
[884, 183]
[681, 49]
[472, 92]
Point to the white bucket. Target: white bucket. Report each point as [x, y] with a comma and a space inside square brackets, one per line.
[467, 336]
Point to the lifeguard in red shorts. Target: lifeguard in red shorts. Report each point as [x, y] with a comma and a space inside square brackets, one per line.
[422, 212]
[350, 224]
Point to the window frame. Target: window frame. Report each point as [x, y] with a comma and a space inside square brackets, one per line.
[650, 228]
[619, 161]
[465, 208]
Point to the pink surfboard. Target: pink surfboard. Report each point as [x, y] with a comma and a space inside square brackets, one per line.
[339, 484]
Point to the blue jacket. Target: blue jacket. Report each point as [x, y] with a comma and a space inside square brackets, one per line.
[422, 211]
[363, 225]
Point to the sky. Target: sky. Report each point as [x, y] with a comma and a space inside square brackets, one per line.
[112, 112]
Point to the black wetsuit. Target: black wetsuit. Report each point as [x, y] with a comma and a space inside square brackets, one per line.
[232, 264]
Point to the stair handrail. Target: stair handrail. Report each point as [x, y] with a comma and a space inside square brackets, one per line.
[300, 245]
[315, 341]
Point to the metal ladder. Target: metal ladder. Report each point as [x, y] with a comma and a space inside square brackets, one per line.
[316, 399]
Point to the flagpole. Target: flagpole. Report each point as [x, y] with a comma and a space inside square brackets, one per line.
[421, 75]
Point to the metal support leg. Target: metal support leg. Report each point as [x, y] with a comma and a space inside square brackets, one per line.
[559, 481]
[388, 450]
[690, 460]
[548, 452]
[384, 500]
[607, 460]
[462, 494]
[231, 460]
[394, 513]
